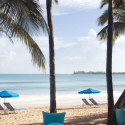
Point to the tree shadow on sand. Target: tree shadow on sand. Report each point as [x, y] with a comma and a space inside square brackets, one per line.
[92, 119]
[85, 107]
[8, 113]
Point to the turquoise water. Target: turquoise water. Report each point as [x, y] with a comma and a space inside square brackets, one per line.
[34, 88]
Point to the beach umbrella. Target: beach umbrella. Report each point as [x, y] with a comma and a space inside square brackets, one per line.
[89, 91]
[5, 94]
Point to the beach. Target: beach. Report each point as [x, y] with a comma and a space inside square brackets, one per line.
[76, 114]
[34, 96]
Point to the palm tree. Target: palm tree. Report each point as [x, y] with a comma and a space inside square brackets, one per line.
[114, 30]
[23, 19]
[118, 17]
[109, 65]
[51, 57]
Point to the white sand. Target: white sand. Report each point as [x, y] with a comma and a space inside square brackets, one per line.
[76, 114]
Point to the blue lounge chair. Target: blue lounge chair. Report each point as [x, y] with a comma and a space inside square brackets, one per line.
[10, 108]
[95, 103]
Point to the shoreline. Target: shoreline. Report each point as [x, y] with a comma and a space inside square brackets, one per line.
[60, 98]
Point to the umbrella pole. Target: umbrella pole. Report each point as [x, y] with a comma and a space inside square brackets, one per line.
[4, 101]
[4, 105]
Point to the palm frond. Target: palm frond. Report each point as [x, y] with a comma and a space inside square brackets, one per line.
[13, 29]
[103, 18]
[37, 55]
[118, 4]
[102, 35]
[119, 15]
[56, 1]
[118, 29]
[3, 31]
[26, 13]
[103, 3]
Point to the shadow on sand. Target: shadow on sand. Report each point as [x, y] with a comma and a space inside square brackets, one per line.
[94, 119]
[8, 113]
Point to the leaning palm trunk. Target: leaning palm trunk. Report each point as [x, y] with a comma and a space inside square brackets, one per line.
[51, 58]
[109, 66]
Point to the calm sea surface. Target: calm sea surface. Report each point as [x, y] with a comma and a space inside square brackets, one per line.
[35, 88]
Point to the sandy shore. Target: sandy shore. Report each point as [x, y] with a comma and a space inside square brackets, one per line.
[76, 114]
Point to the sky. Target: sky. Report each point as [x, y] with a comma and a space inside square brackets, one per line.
[77, 47]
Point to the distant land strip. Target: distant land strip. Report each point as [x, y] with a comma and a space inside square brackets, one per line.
[98, 72]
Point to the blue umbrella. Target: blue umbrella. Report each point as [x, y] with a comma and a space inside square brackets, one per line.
[89, 91]
[6, 94]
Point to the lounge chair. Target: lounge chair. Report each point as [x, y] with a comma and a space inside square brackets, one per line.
[10, 108]
[86, 102]
[95, 103]
[1, 108]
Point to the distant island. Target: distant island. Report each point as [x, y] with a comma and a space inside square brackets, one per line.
[98, 72]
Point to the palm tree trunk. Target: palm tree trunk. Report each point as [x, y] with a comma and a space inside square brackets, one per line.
[51, 58]
[109, 66]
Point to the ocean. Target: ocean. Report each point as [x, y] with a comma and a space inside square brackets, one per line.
[35, 88]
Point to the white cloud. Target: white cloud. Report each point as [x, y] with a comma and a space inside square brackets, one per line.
[43, 42]
[5, 52]
[59, 43]
[15, 58]
[6, 57]
[92, 34]
[87, 54]
[12, 53]
[69, 6]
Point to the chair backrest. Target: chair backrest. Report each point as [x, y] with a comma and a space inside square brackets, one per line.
[1, 108]
[93, 101]
[85, 101]
[9, 106]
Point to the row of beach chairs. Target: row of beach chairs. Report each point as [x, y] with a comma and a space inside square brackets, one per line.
[93, 102]
[9, 107]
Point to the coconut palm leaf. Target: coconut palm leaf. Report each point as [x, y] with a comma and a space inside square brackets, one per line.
[55, 1]
[103, 18]
[118, 29]
[103, 3]
[37, 55]
[116, 3]
[118, 15]
[119, 4]
[3, 31]
[21, 19]
[26, 13]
